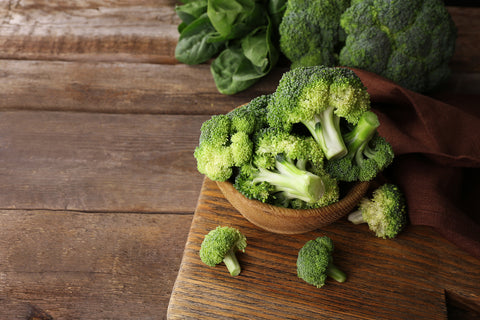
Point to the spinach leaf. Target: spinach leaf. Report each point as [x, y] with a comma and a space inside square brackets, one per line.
[276, 9]
[245, 62]
[236, 18]
[193, 46]
[189, 12]
[242, 32]
[230, 64]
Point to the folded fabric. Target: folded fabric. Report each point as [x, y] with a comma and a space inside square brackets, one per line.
[437, 163]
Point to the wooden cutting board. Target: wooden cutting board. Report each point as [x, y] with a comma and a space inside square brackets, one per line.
[409, 277]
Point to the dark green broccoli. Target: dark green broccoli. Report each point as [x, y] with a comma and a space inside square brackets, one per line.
[385, 213]
[409, 42]
[287, 170]
[368, 152]
[319, 97]
[225, 140]
[310, 31]
[220, 245]
[315, 262]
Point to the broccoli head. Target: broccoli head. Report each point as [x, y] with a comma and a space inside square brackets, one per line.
[385, 213]
[310, 31]
[287, 170]
[251, 117]
[225, 139]
[368, 152]
[409, 42]
[315, 262]
[319, 97]
[220, 244]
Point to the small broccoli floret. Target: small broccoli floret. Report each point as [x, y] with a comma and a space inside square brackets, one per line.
[287, 170]
[220, 149]
[310, 32]
[385, 213]
[220, 245]
[319, 97]
[251, 117]
[368, 153]
[409, 42]
[315, 262]
[225, 140]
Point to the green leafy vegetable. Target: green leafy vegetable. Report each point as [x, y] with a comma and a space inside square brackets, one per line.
[193, 45]
[234, 19]
[190, 11]
[240, 36]
[244, 62]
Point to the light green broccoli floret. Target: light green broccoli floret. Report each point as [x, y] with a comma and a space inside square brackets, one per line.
[368, 152]
[226, 140]
[287, 170]
[220, 245]
[319, 97]
[385, 213]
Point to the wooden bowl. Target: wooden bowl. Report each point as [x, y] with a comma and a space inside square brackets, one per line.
[292, 221]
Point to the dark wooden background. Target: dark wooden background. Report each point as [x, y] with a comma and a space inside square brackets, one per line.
[98, 184]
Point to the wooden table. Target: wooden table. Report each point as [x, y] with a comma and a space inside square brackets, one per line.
[98, 184]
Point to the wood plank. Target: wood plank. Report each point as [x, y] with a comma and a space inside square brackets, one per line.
[140, 31]
[98, 162]
[118, 88]
[403, 278]
[141, 88]
[145, 31]
[66, 265]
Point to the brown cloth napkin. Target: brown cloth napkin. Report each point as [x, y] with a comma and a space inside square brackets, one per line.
[437, 163]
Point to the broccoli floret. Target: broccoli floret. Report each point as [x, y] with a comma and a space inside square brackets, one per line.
[251, 117]
[368, 152]
[220, 245]
[287, 170]
[409, 42]
[315, 262]
[310, 32]
[385, 213]
[319, 97]
[225, 140]
[220, 149]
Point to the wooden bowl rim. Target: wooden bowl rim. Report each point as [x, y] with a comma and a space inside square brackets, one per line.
[353, 196]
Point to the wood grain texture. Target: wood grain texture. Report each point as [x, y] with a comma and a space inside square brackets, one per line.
[97, 128]
[98, 162]
[404, 278]
[135, 31]
[103, 87]
[94, 30]
[118, 88]
[88, 266]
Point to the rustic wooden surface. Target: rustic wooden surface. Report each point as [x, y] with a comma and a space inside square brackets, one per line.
[404, 278]
[98, 185]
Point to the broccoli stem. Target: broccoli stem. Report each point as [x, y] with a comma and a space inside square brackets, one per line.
[293, 181]
[325, 129]
[232, 264]
[357, 139]
[356, 217]
[335, 273]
